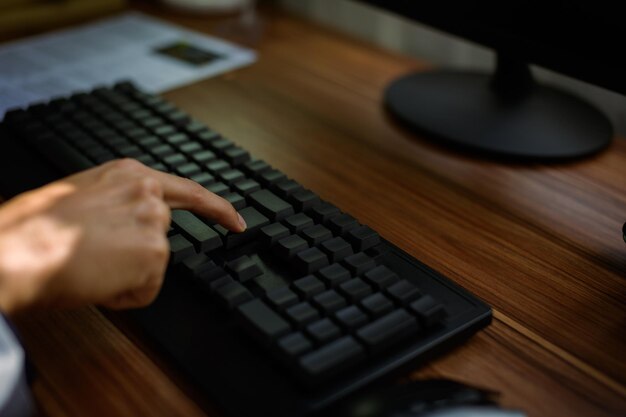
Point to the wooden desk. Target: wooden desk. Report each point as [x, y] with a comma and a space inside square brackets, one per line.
[541, 244]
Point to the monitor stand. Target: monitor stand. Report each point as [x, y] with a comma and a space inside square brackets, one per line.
[505, 115]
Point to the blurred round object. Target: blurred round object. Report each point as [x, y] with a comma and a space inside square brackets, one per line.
[206, 6]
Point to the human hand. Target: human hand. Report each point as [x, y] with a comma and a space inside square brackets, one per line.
[98, 236]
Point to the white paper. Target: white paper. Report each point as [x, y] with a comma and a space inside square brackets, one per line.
[104, 52]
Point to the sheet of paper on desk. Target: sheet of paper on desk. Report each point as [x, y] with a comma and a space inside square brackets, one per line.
[157, 56]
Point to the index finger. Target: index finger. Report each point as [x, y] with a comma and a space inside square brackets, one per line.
[183, 193]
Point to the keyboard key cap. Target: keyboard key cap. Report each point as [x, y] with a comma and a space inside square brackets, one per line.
[236, 199]
[359, 263]
[351, 317]
[270, 177]
[180, 248]
[230, 176]
[309, 261]
[341, 224]
[282, 297]
[329, 301]
[204, 238]
[355, 289]
[196, 264]
[203, 157]
[294, 345]
[236, 156]
[255, 168]
[298, 222]
[302, 314]
[362, 238]
[218, 188]
[381, 277]
[315, 235]
[376, 305]
[204, 178]
[244, 268]
[331, 358]
[187, 170]
[272, 233]
[270, 205]
[254, 221]
[388, 330]
[333, 275]
[403, 292]
[246, 186]
[304, 200]
[232, 294]
[288, 246]
[428, 311]
[217, 166]
[262, 322]
[336, 249]
[323, 331]
[285, 188]
[308, 286]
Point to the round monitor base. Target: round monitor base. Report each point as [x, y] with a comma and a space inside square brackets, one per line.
[462, 109]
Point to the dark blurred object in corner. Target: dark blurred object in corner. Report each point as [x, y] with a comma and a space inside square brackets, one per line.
[21, 17]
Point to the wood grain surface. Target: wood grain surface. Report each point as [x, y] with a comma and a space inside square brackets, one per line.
[541, 244]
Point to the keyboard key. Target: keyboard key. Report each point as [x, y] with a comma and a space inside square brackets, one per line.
[323, 212]
[270, 177]
[315, 235]
[388, 330]
[244, 268]
[217, 166]
[328, 301]
[298, 222]
[187, 170]
[362, 238]
[333, 275]
[262, 322]
[331, 358]
[236, 156]
[255, 168]
[294, 344]
[236, 199]
[286, 188]
[309, 261]
[282, 297]
[341, 224]
[376, 305]
[304, 200]
[180, 248]
[302, 314]
[355, 289]
[204, 238]
[351, 317]
[254, 221]
[232, 294]
[288, 246]
[210, 275]
[270, 205]
[230, 176]
[308, 286]
[204, 178]
[218, 188]
[272, 233]
[380, 277]
[323, 331]
[196, 264]
[359, 263]
[246, 186]
[336, 249]
[429, 312]
[203, 157]
[403, 292]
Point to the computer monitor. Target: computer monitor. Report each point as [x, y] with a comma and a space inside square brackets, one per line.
[507, 113]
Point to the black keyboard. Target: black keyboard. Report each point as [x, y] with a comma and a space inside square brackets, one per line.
[302, 309]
